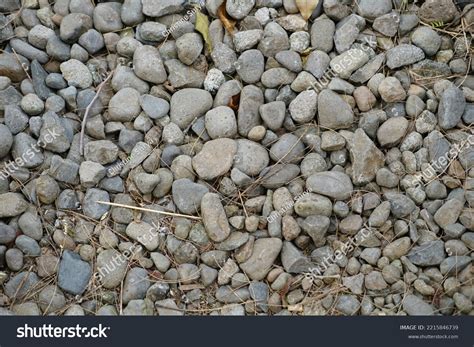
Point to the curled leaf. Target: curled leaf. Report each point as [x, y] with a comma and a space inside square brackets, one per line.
[234, 102]
[202, 26]
[306, 7]
[227, 22]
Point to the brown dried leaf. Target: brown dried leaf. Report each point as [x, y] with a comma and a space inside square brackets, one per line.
[227, 21]
[306, 7]
[234, 102]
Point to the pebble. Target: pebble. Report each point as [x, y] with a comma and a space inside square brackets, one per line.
[73, 274]
[414, 306]
[148, 64]
[336, 185]
[187, 195]
[427, 39]
[333, 111]
[451, 107]
[76, 74]
[277, 142]
[429, 253]
[111, 268]
[214, 217]
[373, 9]
[215, 158]
[264, 253]
[403, 55]
[392, 131]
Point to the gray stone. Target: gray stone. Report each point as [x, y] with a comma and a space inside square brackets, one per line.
[333, 111]
[221, 122]
[131, 12]
[414, 306]
[215, 158]
[214, 217]
[348, 304]
[152, 8]
[6, 135]
[451, 107]
[187, 195]
[13, 204]
[20, 285]
[28, 51]
[250, 158]
[250, 66]
[74, 274]
[28, 246]
[111, 268]
[264, 253]
[92, 41]
[239, 9]
[372, 9]
[7, 233]
[428, 254]
[76, 74]
[366, 158]
[278, 175]
[124, 106]
[189, 104]
[148, 64]
[348, 62]
[107, 17]
[403, 55]
[135, 285]
[427, 39]
[288, 149]
[275, 39]
[90, 205]
[64, 170]
[14, 259]
[9, 96]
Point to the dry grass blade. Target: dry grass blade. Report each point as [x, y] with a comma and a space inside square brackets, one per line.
[88, 108]
[227, 22]
[148, 210]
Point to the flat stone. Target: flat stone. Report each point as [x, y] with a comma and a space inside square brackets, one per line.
[414, 306]
[428, 254]
[403, 55]
[111, 268]
[264, 253]
[13, 204]
[333, 184]
[74, 274]
[215, 158]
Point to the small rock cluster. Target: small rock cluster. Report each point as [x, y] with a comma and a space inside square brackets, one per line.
[281, 161]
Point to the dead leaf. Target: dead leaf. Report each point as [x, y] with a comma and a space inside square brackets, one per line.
[202, 26]
[306, 7]
[227, 22]
[234, 102]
